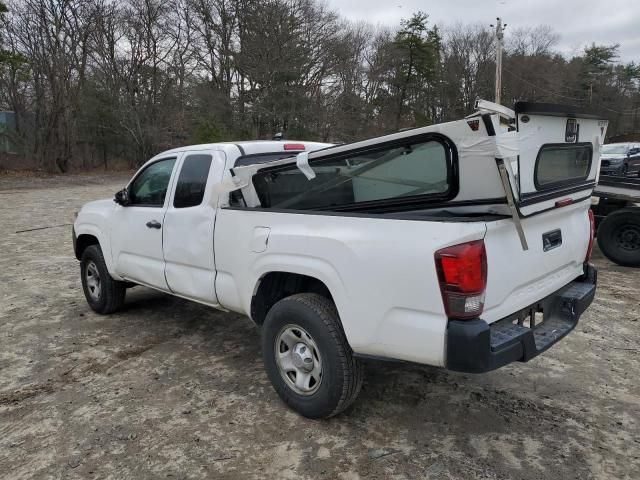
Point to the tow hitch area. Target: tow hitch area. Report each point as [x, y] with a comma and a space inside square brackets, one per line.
[475, 346]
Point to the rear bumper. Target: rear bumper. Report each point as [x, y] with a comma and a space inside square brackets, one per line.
[475, 346]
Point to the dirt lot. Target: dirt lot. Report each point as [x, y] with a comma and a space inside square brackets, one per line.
[171, 389]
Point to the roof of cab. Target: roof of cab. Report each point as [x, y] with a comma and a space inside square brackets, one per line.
[249, 147]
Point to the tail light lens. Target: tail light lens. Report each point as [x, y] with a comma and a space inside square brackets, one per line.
[592, 234]
[293, 146]
[462, 272]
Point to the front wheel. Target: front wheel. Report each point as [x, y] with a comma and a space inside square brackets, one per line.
[308, 358]
[104, 294]
[619, 237]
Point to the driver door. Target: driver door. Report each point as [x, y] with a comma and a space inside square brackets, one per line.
[136, 229]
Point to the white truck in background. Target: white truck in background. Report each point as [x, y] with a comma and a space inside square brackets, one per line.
[463, 245]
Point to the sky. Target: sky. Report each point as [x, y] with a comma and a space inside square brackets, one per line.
[578, 22]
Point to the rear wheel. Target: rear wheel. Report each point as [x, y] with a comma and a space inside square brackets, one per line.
[308, 358]
[619, 237]
[104, 294]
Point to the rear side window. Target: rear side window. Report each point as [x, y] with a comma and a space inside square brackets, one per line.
[562, 164]
[192, 181]
[408, 170]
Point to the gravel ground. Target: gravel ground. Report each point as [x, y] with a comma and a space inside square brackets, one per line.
[172, 389]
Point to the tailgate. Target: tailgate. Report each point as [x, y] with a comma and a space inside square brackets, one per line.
[558, 240]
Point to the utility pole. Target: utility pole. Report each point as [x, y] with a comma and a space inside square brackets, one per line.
[499, 47]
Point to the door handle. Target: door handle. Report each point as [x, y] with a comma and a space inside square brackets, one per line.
[551, 240]
[154, 224]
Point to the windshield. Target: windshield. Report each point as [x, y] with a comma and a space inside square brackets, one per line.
[614, 149]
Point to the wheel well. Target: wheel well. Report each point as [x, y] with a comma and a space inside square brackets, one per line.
[82, 242]
[275, 286]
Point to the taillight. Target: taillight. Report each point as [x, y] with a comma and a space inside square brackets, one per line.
[564, 202]
[592, 234]
[294, 146]
[462, 272]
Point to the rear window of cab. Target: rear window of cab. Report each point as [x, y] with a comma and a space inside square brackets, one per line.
[561, 164]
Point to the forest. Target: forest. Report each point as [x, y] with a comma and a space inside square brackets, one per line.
[106, 83]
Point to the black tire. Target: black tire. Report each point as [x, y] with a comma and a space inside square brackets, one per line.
[111, 293]
[619, 237]
[342, 373]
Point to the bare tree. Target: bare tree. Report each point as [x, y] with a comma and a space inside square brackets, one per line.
[52, 36]
[532, 41]
[96, 82]
[468, 67]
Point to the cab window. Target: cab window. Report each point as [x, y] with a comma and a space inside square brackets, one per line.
[149, 188]
[192, 181]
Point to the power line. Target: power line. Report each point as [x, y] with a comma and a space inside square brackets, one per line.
[630, 112]
[541, 88]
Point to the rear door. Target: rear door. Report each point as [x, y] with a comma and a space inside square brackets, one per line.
[188, 227]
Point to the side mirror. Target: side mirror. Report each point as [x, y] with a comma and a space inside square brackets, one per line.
[122, 197]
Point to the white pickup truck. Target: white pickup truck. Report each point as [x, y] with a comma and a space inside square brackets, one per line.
[463, 245]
